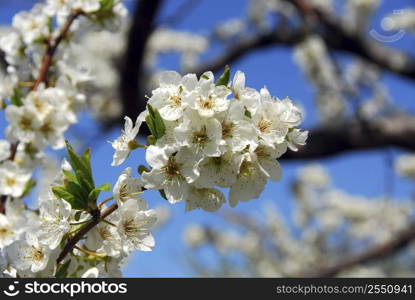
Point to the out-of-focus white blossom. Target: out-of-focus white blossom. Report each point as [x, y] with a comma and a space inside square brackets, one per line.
[405, 165]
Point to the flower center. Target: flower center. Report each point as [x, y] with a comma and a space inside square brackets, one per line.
[172, 169]
[260, 151]
[176, 100]
[227, 129]
[46, 129]
[4, 232]
[38, 104]
[25, 123]
[246, 169]
[37, 254]
[104, 232]
[207, 103]
[10, 181]
[264, 125]
[200, 138]
[130, 227]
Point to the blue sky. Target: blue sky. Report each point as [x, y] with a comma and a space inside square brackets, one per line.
[359, 173]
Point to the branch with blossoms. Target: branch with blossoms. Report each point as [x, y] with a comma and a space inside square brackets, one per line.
[52, 46]
[207, 135]
[45, 91]
[335, 34]
[43, 72]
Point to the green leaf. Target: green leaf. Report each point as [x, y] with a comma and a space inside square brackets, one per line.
[106, 5]
[75, 202]
[77, 191]
[86, 158]
[62, 270]
[17, 97]
[94, 194]
[84, 183]
[106, 187]
[248, 114]
[141, 169]
[81, 164]
[224, 78]
[28, 187]
[155, 122]
[70, 176]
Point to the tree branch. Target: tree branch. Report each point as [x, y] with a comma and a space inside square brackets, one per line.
[340, 38]
[132, 73]
[354, 135]
[43, 73]
[393, 246]
[336, 36]
[53, 46]
[246, 45]
[81, 233]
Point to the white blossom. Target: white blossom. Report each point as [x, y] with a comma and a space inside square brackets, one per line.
[127, 187]
[54, 221]
[170, 97]
[172, 173]
[13, 179]
[28, 254]
[135, 225]
[126, 142]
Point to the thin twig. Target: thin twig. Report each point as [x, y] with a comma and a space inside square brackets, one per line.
[81, 233]
[52, 47]
[43, 73]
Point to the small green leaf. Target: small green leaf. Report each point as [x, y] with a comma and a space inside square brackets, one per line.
[141, 169]
[76, 190]
[86, 157]
[94, 194]
[155, 122]
[225, 77]
[106, 187]
[84, 183]
[80, 163]
[248, 114]
[75, 202]
[70, 176]
[28, 187]
[17, 97]
[62, 270]
[106, 5]
[204, 76]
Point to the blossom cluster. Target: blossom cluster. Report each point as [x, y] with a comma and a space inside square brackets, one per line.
[41, 90]
[208, 135]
